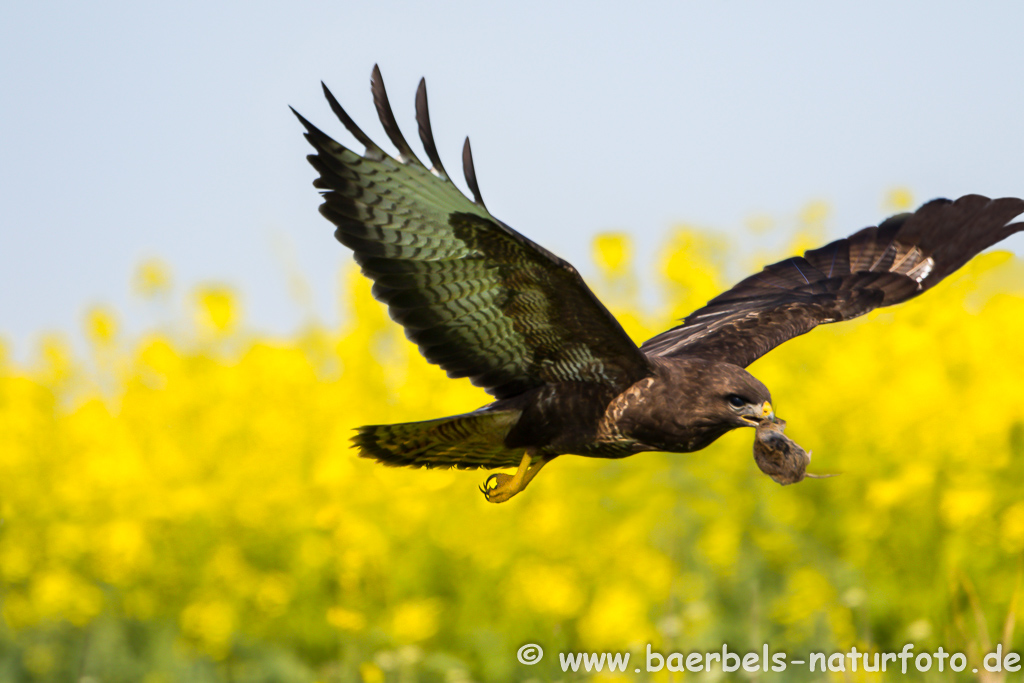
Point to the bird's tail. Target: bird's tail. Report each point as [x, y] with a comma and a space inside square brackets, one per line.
[469, 441]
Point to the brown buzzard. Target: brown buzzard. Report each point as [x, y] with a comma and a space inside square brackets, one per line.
[484, 302]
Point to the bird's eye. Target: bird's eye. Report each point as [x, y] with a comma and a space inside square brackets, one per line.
[736, 401]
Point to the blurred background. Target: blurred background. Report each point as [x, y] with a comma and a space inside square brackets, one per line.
[184, 349]
[139, 129]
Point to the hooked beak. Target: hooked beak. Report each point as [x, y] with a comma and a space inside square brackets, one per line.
[766, 413]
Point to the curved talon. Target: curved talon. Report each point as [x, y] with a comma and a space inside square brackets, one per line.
[495, 488]
[499, 487]
[490, 484]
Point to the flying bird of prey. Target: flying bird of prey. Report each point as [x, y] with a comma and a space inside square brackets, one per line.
[484, 302]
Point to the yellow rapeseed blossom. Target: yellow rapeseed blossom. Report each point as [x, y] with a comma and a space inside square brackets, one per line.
[346, 620]
[152, 278]
[216, 308]
[100, 326]
[191, 508]
[691, 265]
[617, 619]
[370, 673]
[1013, 527]
[547, 589]
[212, 623]
[898, 200]
[613, 253]
[811, 226]
[416, 620]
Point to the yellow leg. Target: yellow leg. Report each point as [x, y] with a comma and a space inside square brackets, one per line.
[500, 487]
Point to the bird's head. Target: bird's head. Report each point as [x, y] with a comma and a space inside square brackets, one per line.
[738, 398]
[689, 403]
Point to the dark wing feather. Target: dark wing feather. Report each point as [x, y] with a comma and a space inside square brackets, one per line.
[877, 266]
[479, 299]
[387, 119]
[470, 172]
[426, 133]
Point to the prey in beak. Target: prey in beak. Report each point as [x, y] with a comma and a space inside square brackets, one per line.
[780, 457]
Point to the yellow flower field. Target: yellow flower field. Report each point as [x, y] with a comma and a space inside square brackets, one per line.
[184, 506]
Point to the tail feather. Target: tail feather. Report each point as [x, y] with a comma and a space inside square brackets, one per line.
[469, 441]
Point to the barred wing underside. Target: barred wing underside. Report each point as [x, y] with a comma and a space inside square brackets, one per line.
[478, 298]
[901, 258]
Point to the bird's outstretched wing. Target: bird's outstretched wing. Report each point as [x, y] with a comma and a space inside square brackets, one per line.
[877, 266]
[478, 298]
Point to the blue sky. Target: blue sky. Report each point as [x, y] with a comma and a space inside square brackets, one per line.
[161, 129]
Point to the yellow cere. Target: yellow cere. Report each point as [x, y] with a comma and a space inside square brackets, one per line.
[184, 504]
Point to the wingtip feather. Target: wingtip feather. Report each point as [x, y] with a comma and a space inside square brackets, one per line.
[302, 119]
[387, 119]
[426, 133]
[470, 172]
[372, 150]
